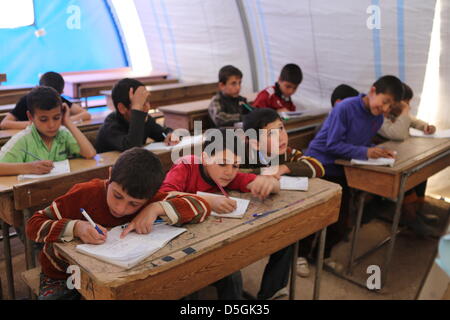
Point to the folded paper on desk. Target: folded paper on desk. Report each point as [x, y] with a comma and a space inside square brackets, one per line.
[185, 142]
[241, 207]
[60, 167]
[438, 134]
[375, 162]
[132, 249]
[294, 183]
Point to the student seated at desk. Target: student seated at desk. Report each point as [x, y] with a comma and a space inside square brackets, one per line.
[271, 134]
[130, 125]
[17, 118]
[227, 106]
[339, 93]
[278, 96]
[396, 127]
[347, 133]
[45, 140]
[129, 195]
[217, 166]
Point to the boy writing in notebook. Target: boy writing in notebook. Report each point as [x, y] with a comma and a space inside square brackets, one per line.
[278, 96]
[130, 125]
[129, 195]
[269, 146]
[51, 136]
[218, 168]
[18, 119]
[227, 106]
[347, 133]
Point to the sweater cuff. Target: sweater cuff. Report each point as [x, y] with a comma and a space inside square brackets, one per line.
[170, 212]
[68, 231]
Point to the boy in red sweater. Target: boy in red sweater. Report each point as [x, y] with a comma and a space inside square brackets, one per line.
[219, 165]
[278, 96]
[130, 194]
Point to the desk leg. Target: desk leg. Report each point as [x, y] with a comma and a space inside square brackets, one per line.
[8, 260]
[361, 198]
[319, 264]
[293, 284]
[398, 212]
[29, 252]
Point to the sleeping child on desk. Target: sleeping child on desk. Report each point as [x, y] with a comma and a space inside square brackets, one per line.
[215, 169]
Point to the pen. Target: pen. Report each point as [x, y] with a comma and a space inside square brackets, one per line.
[84, 213]
[157, 221]
[222, 190]
[164, 135]
[29, 153]
[247, 107]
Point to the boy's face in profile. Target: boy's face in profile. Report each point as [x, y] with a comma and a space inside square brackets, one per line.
[232, 88]
[379, 103]
[274, 138]
[222, 167]
[47, 122]
[121, 204]
[287, 88]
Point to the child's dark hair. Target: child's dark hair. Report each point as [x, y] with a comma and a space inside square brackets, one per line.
[259, 118]
[43, 98]
[390, 85]
[139, 172]
[223, 139]
[121, 91]
[53, 80]
[228, 71]
[291, 73]
[407, 92]
[341, 92]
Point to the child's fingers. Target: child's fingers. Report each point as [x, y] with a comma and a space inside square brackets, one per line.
[130, 227]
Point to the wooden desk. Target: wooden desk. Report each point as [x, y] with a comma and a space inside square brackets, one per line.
[12, 94]
[2, 77]
[417, 160]
[218, 248]
[90, 83]
[167, 94]
[183, 115]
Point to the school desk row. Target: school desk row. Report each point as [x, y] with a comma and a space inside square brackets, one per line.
[85, 84]
[195, 263]
[418, 159]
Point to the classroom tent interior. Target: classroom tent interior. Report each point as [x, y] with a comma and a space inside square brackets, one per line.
[334, 42]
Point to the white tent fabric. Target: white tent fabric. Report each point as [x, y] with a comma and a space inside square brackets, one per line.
[330, 41]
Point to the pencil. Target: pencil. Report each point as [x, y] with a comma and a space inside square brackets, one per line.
[30, 154]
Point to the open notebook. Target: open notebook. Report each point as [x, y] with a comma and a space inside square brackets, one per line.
[132, 249]
[185, 142]
[438, 134]
[242, 205]
[375, 162]
[294, 183]
[60, 167]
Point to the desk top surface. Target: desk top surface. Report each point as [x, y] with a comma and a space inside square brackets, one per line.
[188, 108]
[410, 153]
[169, 86]
[206, 236]
[109, 76]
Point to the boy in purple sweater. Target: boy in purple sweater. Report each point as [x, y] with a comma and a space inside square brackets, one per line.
[347, 134]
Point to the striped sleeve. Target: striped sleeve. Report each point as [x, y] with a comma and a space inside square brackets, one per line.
[47, 225]
[304, 166]
[186, 208]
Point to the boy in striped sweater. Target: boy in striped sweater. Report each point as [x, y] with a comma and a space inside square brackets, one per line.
[130, 195]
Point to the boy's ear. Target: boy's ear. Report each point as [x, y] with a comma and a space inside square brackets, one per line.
[30, 117]
[373, 91]
[121, 108]
[221, 86]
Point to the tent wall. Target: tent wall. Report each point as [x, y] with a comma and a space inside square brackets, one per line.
[329, 40]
